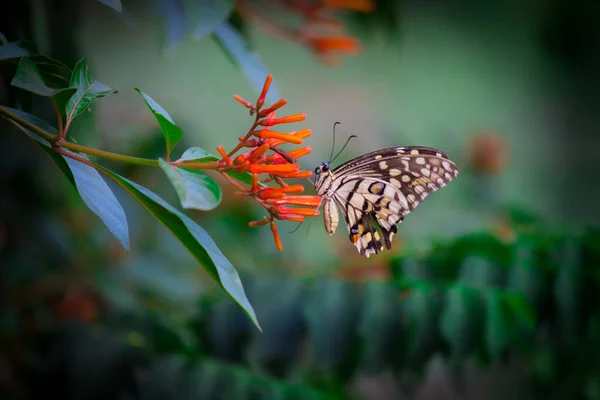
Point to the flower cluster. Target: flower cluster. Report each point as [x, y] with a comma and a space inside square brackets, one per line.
[267, 163]
[319, 31]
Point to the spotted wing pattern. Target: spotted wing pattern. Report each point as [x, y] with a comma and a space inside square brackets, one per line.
[375, 191]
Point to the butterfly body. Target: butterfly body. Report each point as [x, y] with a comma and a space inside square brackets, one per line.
[375, 191]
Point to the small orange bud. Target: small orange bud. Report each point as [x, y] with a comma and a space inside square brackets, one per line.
[294, 218]
[263, 221]
[259, 151]
[268, 195]
[299, 174]
[280, 103]
[297, 153]
[298, 211]
[303, 133]
[283, 120]
[274, 169]
[263, 93]
[336, 44]
[245, 103]
[313, 201]
[254, 183]
[272, 192]
[284, 137]
[276, 237]
[224, 156]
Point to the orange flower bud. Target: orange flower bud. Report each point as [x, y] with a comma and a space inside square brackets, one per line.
[273, 169]
[313, 201]
[245, 103]
[258, 151]
[263, 221]
[270, 197]
[276, 237]
[254, 183]
[297, 153]
[224, 155]
[283, 120]
[294, 218]
[280, 103]
[303, 133]
[279, 210]
[263, 93]
[299, 174]
[335, 44]
[273, 192]
[284, 137]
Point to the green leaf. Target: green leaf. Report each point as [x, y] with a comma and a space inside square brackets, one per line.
[195, 189]
[193, 237]
[422, 310]
[88, 90]
[29, 77]
[115, 4]
[94, 191]
[207, 15]
[333, 317]
[522, 311]
[528, 277]
[172, 132]
[380, 326]
[460, 320]
[234, 45]
[16, 50]
[568, 289]
[56, 74]
[198, 154]
[497, 324]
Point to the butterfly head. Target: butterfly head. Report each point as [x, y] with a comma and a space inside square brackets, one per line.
[322, 168]
[323, 177]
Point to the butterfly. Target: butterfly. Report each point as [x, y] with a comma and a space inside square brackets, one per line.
[376, 191]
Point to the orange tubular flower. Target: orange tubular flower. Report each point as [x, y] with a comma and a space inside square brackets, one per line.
[277, 166]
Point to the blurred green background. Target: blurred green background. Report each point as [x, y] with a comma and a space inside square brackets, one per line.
[491, 287]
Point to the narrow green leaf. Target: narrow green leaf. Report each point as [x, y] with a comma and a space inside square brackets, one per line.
[198, 154]
[175, 22]
[29, 77]
[194, 238]
[88, 90]
[247, 61]
[207, 15]
[497, 327]
[114, 4]
[16, 50]
[172, 132]
[94, 191]
[195, 189]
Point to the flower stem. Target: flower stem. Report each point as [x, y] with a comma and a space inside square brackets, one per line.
[51, 138]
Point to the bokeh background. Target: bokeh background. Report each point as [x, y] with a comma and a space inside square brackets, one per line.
[491, 287]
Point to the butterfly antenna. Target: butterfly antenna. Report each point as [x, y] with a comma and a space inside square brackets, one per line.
[296, 228]
[344, 146]
[333, 145]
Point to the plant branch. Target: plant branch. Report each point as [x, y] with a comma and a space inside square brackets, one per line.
[51, 138]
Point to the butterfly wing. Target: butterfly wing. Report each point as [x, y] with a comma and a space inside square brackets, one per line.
[377, 190]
